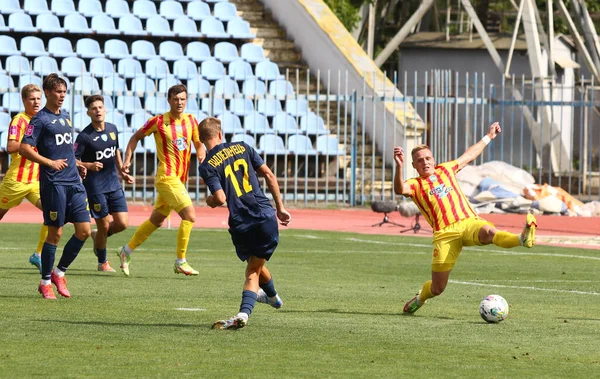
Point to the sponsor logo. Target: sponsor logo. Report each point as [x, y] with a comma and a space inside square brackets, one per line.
[29, 130]
[96, 138]
[63, 138]
[75, 146]
[107, 153]
[97, 207]
[54, 121]
[53, 216]
[12, 131]
[104, 137]
[441, 191]
[5, 200]
[113, 136]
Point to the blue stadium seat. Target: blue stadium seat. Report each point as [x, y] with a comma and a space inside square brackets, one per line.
[200, 115]
[239, 29]
[312, 124]
[117, 8]
[171, 51]
[76, 105]
[88, 48]
[225, 11]
[104, 24]
[215, 107]
[185, 69]
[198, 10]
[329, 145]
[11, 102]
[150, 145]
[90, 8]
[44, 66]
[242, 107]
[114, 83]
[198, 51]
[226, 87]
[101, 67]
[48, 23]
[21, 22]
[226, 52]
[33, 47]
[8, 46]
[165, 83]
[192, 105]
[10, 6]
[198, 86]
[62, 7]
[131, 26]
[143, 84]
[300, 144]
[157, 68]
[256, 123]
[184, 26]
[212, 69]
[272, 144]
[6, 82]
[214, 1]
[170, 9]
[129, 68]
[30, 78]
[117, 118]
[281, 88]
[143, 50]
[59, 47]
[297, 107]
[269, 107]
[76, 23]
[254, 87]
[125, 136]
[80, 120]
[246, 138]
[17, 65]
[144, 9]
[156, 104]
[284, 123]
[86, 83]
[230, 123]
[116, 49]
[252, 53]
[3, 27]
[139, 118]
[129, 104]
[159, 26]
[213, 28]
[35, 7]
[267, 70]
[108, 103]
[239, 70]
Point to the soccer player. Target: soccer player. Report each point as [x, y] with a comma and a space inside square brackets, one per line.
[97, 148]
[174, 133]
[230, 172]
[437, 194]
[63, 196]
[22, 179]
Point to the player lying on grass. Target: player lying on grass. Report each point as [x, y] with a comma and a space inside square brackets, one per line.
[437, 194]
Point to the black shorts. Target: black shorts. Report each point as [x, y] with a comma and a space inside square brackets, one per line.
[259, 241]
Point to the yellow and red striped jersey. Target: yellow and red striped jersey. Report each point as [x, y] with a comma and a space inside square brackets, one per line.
[174, 139]
[439, 197]
[21, 170]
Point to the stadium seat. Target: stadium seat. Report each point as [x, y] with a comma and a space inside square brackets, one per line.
[226, 52]
[296, 107]
[114, 83]
[225, 11]
[242, 107]
[117, 8]
[129, 104]
[250, 141]
[6, 82]
[226, 87]
[157, 68]
[256, 123]
[156, 104]
[171, 51]
[104, 24]
[35, 7]
[60, 47]
[30, 78]
[143, 84]
[198, 10]
[184, 26]
[239, 70]
[139, 118]
[116, 49]
[90, 8]
[272, 144]
[76, 105]
[76, 23]
[4, 122]
[214, 1]
[329, 145]
[130, 25]
[269, 107]
[86, 83]
[312, 124]
[165, 83]
[159, 26]
[101, 67]
[108, 103]
[214, 107]
[284, 123]
[33, 47]
[48, 23]
[192, 105]
[8, 46]
[129, 68]
[300, 144]
[267, 70]
[62, 7]
[143, 50]
[230, 123]
[144, 9]
[198, 51]
[200, 115]
[80, 120]
[88, 48]
[185, 69]
[171, 9]
[254, 87]
[213, 28]
[44, 66]
[17, 65]
[73, 66]
[117, 118]
[21, 22]
[212, 69]
[10, 6]
[150, 145]
[239, 29]
[125, 136]
[198, 86]
[281, 88]
[3, 27]
[11, 102]
[252, 53]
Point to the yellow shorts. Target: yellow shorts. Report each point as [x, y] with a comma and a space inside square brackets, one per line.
[172, 195]
[12, 193]
[448, 242]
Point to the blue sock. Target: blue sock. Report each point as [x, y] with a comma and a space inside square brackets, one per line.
[269, 288]
[248, 301]
[70, 253]
[48, 254]
[101, 255]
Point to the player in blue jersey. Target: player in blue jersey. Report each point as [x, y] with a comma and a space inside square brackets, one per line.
[63, 196]
[97, 149]
[230, 171]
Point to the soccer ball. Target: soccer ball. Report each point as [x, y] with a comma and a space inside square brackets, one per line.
[493, 308]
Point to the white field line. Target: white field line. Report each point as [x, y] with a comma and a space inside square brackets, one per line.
[524, 288]
[190, 309]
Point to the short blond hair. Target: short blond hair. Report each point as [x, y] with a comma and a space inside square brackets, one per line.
[419, 148]
[28, 89]
[209, 128]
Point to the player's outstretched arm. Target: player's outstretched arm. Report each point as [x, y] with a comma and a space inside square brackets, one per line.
[474, 151]
[28, 152]
[282, 214]
[131, 145]
[399, 187]
[200, 151]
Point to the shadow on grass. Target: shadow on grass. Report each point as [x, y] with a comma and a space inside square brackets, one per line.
[340, 312]
[133, 324]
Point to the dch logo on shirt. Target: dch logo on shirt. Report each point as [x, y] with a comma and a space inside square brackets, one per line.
[64, 138]
[107, 153]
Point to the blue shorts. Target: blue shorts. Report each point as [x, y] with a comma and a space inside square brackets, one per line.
[259, 241]
[64, 203]
[103, 204]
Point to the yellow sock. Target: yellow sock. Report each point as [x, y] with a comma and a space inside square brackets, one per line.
[506, 239]
[141, 234]
[183, 238]
[425, 292]
[43, 235]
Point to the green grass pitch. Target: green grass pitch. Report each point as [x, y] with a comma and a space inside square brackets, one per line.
[342, 318]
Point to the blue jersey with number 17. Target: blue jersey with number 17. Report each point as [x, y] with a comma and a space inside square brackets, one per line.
[232, 168]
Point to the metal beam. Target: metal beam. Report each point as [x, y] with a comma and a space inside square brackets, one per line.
[589, 31]
[484, 36]
[371, 31]
[513, 41]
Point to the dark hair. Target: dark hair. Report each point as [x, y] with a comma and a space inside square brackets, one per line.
[92, 99]
[209, 128]
[52, 81]
[176, 90]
